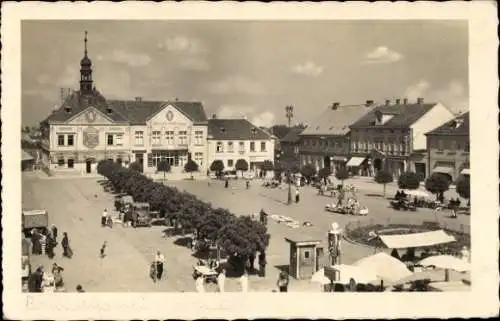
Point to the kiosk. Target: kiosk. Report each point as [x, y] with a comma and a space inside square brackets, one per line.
[306, 256]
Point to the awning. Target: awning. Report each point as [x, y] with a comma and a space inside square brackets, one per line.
[388, 268]
[405, 241]
[465, 171]
[26, 157]
[339, 159]
[355, 161]
[443, 170]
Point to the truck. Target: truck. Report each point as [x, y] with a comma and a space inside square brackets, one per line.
[38, 219]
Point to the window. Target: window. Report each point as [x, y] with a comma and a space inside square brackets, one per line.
[453, 145]
[183, 137]
[60, 162]
[440, 145]
[198, 137]
[252, 146]
[119, 139]
[229, 163]
[198, 158]
[156, 137]
[71, 163]
[60, 140]
[219, 147]
[466, 147]
[71, 141]
[169, 137]
[156, 157]
[139, 138]
[306, 254]
[230, 147]
[110, 139]
[241, 146]
[262, 146]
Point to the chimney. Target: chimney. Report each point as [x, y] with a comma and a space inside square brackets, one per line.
[405, 101]
[176, 99]
[387, 102]
[369, 103]
[335, 105]
[67, 109]
[214, 116]
[420, 100]
[138, 98]
[398, 101]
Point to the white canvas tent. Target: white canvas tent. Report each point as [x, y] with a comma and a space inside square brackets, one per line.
[416, 193]
[404, 241]
[387, 267]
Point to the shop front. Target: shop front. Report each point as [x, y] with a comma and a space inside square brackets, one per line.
[175, 158]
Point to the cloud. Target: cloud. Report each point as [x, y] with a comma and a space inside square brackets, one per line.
[419, 89]
[182, 44]
[67, 78]
[453, 95]
[265, 119]
[237, 84]
[131, 59]
[308, 68]
[193, 63]
[382, 55]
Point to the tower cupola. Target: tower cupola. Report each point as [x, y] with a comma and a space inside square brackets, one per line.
[86, 86]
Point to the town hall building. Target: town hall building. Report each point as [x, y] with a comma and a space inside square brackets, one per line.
[88, 128]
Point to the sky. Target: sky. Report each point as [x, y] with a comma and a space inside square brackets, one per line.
[248, 69]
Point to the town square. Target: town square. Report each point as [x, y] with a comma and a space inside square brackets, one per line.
[171, 194]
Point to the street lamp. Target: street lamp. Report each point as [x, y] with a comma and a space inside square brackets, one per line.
[289, 116]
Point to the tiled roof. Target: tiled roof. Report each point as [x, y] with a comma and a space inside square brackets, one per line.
[280, 131]
[235, 129]
[293, 135]
[336, 121]
[457, 126]
[134, 111]
[404, 115]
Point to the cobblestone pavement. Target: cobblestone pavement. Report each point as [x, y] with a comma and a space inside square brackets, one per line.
[75, 206]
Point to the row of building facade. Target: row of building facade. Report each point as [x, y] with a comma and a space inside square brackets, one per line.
[87, 128]
[397, 136]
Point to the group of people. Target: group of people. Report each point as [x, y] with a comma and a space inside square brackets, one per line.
[44, 281]
[157, 267]
[48, 239]
[219, 277]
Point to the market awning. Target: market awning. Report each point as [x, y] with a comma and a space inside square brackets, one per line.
[355, 161]
[339, 159]
[443, 170]
[26, 157]
[404, 241]
[465, 171]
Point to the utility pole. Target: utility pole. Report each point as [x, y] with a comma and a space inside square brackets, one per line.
[289, 116]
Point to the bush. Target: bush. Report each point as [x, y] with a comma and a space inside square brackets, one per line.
[239, 235]
[217, 166]
[323, 173]
[241, 165]
[409, 180]
[190, 166]
[342, 174]
[136, 166]
[437, 183]
[308, 171]
[383, 177]
[463, 187]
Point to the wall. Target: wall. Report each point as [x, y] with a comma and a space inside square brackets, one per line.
[434, 118]
[256, 156]
[453, 151]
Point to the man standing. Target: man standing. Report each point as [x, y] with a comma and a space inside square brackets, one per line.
[67, 252]
[160, 261]
[54, 233]
[104, 217]
[103, 250]
[297, 195]
[262, 264]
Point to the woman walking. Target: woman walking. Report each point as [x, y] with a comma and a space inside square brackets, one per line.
[159, 261]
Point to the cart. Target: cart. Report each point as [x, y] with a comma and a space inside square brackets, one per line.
[208, 274]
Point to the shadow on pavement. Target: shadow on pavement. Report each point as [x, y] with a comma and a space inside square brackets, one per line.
[374, 195]
[273, 199]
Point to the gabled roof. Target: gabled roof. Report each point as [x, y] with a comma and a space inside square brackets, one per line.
[457, 126]
[336, 121]
[133, 111]
[280, 131]
[404, 115]
[293, 135]
[235, 129]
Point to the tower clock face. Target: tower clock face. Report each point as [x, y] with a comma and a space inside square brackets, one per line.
[170, 115]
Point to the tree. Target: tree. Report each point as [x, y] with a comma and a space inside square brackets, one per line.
[163, 166]
[279, 168]
[437, 183]
[383, 177]
[324, 173]
[266, 166]
[241, 165]
[409, 180]
[136, 166]
[190, 167]
[217, 166]
[342, 174]
[308, 171]
[463, 187]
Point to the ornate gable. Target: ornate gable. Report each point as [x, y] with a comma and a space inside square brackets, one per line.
[170, 115]
[90, 116]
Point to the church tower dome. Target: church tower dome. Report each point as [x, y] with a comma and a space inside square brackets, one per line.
[85, 71]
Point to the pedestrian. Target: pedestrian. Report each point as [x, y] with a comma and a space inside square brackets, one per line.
[283, 281]
[262, 264]
[54, 233]
[57, 272]
[226, 183]
[109, 221]
[251, 261]
[152, 271]
[199, 280]
[79, 289]
[35, 280]
[160, 261]
[50, 244]
[36, 240]
[103, 250]
[104, 217]
[67, 252]
[221, 278]
[248, 184]
[244, 281]
[297, 195]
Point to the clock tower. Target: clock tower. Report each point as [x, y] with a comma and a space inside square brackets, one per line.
[85, 72]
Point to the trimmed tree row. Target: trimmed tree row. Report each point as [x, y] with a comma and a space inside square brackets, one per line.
[239, 236]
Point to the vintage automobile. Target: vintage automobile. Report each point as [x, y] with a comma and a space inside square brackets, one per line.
[122, 201]
[141, 215]
[403, 204]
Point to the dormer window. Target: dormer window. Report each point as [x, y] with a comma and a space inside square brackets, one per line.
[254, 130]
[109, 110]
[67, 109]
[222, 130]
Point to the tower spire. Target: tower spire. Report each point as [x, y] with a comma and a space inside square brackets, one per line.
[85, 70]
[85, 43]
